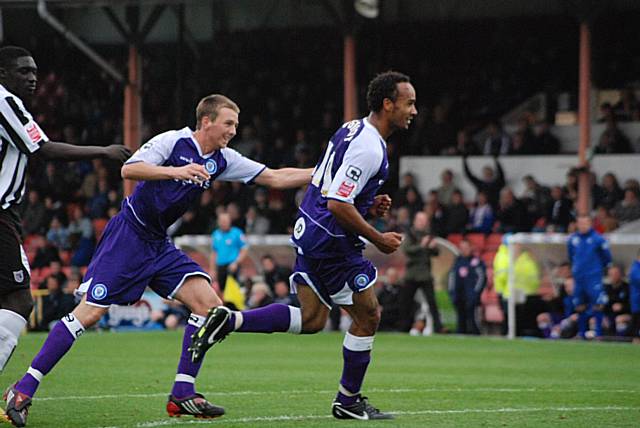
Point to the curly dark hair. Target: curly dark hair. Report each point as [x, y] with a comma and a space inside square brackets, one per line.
[8, 55]
[384, 86]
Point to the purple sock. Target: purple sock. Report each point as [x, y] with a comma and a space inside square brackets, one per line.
[184, 385]
[269, 319]
[353, 371]
[57, 344]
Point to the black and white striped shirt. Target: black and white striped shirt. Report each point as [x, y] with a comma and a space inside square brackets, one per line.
[20, 136]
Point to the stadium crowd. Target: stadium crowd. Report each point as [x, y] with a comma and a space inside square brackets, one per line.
[67, 207]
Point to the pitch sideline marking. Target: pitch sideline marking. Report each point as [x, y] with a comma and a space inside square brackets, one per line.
[372, 390]
[284, 418]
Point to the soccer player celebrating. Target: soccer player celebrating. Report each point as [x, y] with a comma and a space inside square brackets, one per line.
[22, 137]
[329, 265]
[174, 168]
[589, 255]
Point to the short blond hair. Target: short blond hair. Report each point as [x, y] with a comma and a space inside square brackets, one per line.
[210, 105]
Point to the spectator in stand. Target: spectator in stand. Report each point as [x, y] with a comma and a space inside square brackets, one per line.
[419, 246]
[498, 142]
[81, 236]
[457, 214]
[511, 214]
[229, 250]
[465, 146]
[34, 217]
[628, 209]
[481, 218]
[613, 140]
[491, 183]
[56, 304]
[402, 198]
[439, 134]
[560, 212]
[617, 311]
[634, 298]
[256, 224]
[55, 269]
[536, 198]
[589, 255]
[388, 291]
[467, 279]
[604, 222]
[447, 187]
[282, 294]
[172, 316]
[546, 143]
[519, 145]
[632, 183]
[610, 192]
[402, 221]
[606, 112]
[58, 234]
[628, 108]
[260, 296]
[437, 215]
[526, 133]
[570, 189]
[272, 272]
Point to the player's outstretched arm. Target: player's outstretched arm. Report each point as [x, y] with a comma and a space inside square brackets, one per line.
[284, 178]
[147, 172]
[71, 152]
[349, 218]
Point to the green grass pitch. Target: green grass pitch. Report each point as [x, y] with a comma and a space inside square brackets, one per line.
[122, 380]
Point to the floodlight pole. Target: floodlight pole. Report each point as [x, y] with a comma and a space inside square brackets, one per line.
[584, 184]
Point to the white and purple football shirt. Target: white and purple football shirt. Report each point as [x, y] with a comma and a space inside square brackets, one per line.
[157, 204]
[352, 169]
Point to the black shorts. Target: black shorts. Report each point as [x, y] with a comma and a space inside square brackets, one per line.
[14, 266]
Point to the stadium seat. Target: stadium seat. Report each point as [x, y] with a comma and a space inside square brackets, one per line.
[477, 240]
[99, 225]
[455, 238]
[493, 241]
[199, 258]
[65, 257]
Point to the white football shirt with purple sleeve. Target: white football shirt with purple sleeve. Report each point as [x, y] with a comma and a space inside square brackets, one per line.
[352, 169]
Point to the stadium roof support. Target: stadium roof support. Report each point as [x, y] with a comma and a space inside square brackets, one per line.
[584, 101]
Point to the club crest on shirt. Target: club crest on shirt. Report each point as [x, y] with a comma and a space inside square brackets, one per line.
[18, 275]
[211, 166]
[361, 280]
[99, 291]
[299, 228]
[346, 188]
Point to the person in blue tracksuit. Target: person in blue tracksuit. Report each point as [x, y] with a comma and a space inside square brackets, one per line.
[467, 279]
[589, 255]
[634, 297]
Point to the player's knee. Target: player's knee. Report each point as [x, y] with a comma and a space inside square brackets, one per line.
[370, 321]
[312, 323]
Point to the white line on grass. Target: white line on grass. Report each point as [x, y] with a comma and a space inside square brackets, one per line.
[323, 392]
[284, 418]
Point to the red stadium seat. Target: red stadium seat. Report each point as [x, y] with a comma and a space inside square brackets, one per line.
[487, 257]
[493, 241]
[477, 240]
[455, 238]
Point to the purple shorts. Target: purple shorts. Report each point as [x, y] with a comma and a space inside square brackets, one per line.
[334, 280]
[125, 263]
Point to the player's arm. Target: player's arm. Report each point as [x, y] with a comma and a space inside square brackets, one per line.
[284, 178]
[605, 253]
[71, 152]
[146, 171]
[350, 219]
[242, 254]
